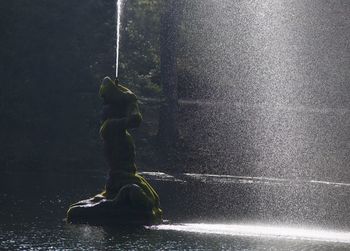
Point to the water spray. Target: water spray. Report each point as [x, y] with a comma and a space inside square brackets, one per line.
[118, 14]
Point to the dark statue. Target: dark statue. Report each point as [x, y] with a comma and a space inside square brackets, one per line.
[128, 197]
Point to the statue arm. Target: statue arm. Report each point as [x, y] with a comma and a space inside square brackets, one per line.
[133, 119]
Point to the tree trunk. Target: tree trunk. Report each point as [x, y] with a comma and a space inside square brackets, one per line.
[168, 122]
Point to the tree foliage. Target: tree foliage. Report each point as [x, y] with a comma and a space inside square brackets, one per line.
[140, 59]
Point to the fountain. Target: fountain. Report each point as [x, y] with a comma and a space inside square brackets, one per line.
[128, 198]
[267, 144]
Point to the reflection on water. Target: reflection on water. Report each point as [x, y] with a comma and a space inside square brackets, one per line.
[260, 231]
[41, 236]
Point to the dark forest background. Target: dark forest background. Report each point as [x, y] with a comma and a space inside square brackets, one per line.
[53, 56]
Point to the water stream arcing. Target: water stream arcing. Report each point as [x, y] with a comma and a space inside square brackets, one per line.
[118, 15]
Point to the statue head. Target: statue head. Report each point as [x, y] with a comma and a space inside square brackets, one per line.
[112, 92]
[109, 90]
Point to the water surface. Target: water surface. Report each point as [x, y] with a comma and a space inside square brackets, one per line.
[33, 211]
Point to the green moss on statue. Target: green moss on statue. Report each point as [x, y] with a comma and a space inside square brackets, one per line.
[127, 194]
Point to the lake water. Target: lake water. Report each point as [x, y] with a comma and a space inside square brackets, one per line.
[205, 212]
